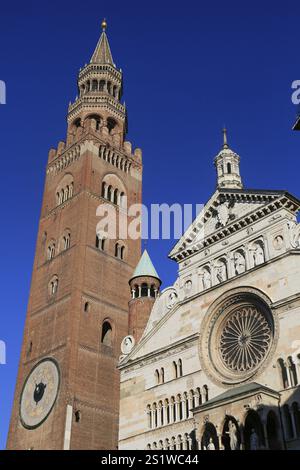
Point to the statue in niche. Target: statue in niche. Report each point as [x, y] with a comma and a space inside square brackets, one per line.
[172, 299]
[221, 272]
[211, 445]
[206, 279]
[278, 242]
[253, 440]
[258, 254]
[295, 235]
[188, 286]
[232, 432]
[239, 263]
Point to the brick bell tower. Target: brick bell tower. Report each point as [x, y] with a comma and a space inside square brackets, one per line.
[67, 391]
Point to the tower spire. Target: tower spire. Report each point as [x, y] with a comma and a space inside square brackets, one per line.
[227, 164]
[225, 144]
[102, 53]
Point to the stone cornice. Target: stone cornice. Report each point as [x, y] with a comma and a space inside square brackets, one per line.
[93, 101]
[92, 69]
[74, 152]
[158, 354]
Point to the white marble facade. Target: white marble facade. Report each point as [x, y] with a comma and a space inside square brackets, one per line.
[221, 348]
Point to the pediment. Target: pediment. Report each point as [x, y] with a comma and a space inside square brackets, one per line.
[226, 212]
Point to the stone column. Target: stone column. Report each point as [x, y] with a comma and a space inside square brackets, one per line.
[190, 400]
[171, 412]
[177, 410]
[184, 411]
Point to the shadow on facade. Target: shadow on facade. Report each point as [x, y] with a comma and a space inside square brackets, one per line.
[246, 419]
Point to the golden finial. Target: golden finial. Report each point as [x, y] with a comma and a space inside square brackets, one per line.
[225, 144]
[104, 25]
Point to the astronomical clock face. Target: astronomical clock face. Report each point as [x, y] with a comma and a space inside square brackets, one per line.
[39, 393]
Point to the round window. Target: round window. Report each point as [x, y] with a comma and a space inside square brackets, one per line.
[236, 338]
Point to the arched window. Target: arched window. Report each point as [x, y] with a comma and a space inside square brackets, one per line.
[53, 286]
[292, 372]
[180, 442]
[229, 168]
[173, 404]
[167, 408]
[111, 124]
[154, 407]
[77, 414]
[103, 190]
[161, 413]
[109, 193]
[157, 378]
[180, 372]
[101, 85]
[66, 240]
[94, 85]
[51, 251]
[117, 250]
[136, 291]
[100, 242]
[144, 290]
[192, 397]
[65, 189]
[66, 194]
[122, 252]
[205, 392]
[198, 397]
[186, 403]
[162, 375]
[152, 291]
[122, 199]
[175, 370]
[86, 307]
[149, 416]
[283, 373]
[180, 408]
[115, 197]
[106, 335]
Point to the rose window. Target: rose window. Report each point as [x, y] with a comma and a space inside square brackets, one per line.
[245, 339]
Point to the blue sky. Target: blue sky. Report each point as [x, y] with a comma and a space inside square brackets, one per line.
[189, 68]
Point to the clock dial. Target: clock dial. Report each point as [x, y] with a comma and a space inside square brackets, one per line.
[39, 393]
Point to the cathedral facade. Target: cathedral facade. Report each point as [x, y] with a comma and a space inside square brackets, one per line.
[218, 365]
[108, 359]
